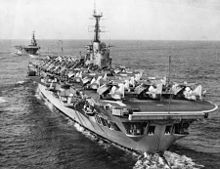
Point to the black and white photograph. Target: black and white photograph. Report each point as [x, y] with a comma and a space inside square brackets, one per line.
[109, 84]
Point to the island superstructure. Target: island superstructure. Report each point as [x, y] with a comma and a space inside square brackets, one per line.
[118, 104]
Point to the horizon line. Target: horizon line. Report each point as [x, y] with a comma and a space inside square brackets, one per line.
[213, 40]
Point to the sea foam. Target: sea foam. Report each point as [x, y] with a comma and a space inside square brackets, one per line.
[2, 100]
[169, 160]
[20, 82]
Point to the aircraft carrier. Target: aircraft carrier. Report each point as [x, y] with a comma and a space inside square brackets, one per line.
[119, 104]
[31, 49]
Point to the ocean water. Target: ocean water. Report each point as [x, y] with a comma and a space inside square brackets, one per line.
[33, 136]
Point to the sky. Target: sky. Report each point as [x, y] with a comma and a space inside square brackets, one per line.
[122, 19]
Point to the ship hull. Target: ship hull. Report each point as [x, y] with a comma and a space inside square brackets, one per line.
[22, 50]
[155, 143]
[32, 51]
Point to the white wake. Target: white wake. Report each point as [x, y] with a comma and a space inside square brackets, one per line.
[169, 160]
[20, 82]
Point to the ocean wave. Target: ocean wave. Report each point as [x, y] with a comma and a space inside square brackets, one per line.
[2, 100]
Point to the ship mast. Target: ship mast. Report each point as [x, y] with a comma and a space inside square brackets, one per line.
[97, 26]
[33, 40]
[169, 83]
[169, 69]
